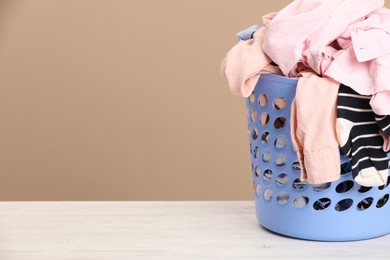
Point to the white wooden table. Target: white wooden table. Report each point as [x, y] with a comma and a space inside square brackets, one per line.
[157, 230]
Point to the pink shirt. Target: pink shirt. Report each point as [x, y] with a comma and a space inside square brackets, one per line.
[244, 63]
[365, 59]
[347, 40]
[303, 31]
[313, 124]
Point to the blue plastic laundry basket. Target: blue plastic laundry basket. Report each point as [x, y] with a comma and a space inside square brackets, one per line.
[337, 211]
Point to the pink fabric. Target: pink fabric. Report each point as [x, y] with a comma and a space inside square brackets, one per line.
[364, 63]
[386, 141]
[303, 31]
[313, 124]
[380, 103]
[347, 40]
[244, 63]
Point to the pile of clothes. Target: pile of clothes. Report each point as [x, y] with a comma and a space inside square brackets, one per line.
[340, 52]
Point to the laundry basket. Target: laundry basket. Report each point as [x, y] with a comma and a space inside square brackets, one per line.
[337, 211]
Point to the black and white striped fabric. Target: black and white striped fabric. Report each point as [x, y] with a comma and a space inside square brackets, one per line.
[383, 123]
[358, 134]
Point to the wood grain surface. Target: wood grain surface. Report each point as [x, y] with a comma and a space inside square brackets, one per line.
[157, 230]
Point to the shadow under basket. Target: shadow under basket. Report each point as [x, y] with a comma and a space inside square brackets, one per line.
[335, 211]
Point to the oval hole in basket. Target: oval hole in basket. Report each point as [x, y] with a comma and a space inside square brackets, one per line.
[258, 189]
[280, 142]
[268, 193]
[280, 103]
[299, 185]
[267, 156]
[344, 186]
[364, 189]
[263, 100]
[282, 179]
[256, 152]
[343, 205]
[280, 122]
[265, 137]
[365, 204]
[281, 160]
[321, 204]
[267, 175]
[321, 187]
[296, 167]
[254, 115]
[382, 201]
[282, 198]
[264, 119]
[255, 134]
[252, 97]
[300, 202]
[257, 171]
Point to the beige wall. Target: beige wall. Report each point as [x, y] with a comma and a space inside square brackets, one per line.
[122, 100]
